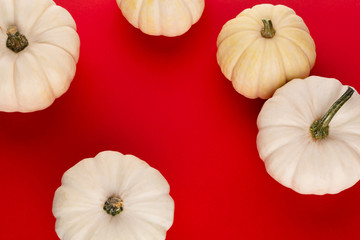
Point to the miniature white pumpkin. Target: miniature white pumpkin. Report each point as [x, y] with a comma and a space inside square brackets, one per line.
[263, 48]
[113, 197]
[304, 145]
[39, 49]
[162, 17]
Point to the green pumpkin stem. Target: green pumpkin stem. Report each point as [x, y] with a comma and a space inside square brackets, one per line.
[268, 31]
[320, 128]
[16, 41]
[114, 205]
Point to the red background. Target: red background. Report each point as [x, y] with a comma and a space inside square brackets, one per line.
[166, 101]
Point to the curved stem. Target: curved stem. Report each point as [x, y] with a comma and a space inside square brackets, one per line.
[320, 128]
[268, 31]
[114, 205]
[15, 41]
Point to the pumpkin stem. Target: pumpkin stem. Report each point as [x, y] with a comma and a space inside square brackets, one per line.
[15, 41]
[114, 205]
[320, 128]
[268, 31]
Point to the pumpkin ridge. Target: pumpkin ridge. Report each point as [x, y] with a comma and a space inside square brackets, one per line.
[46, 77]
[77, 189]
[139, 12]
[87, 197]
[159, 16]
[353, 116]
[280, 126]
[224, 61]
[352, 149]
[64, 78]
[250, 18]
[298, 47]
[14, 81]
[254, 14]
[186, 7]
[76, 223]
[310, 102]
[156, 226]
[7, 65]
[53, 27]
[281, 62]
[77, 219]
[233, 34]
[142, 207]
[148, 196]
[284, 15]
[30, 28]
[278, 176]
[68, 181]
[40, 15]
[297, 28]
[284, 24]
[130, 186]
[280, 146]
[351, 133]
[259, 82]
[136, 234]
[297, 167]
[14, 13]
[239, 57]
[88, 234]
[144, 225]
[249, 82]
[297, 106]
[343, 166]
[60, 47]
[311, 63]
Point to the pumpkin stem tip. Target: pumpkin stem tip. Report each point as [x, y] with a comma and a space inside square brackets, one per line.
[320, 128]
[15, 41]
[114, 205]
[268, 31]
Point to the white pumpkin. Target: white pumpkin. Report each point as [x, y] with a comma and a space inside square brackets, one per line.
[162, 17]
[320, 160]
[263, 48]
[113, 197]
[39, 49]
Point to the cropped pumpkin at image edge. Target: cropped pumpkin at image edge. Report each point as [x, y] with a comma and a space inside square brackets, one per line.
[40, 50]
[169, 18]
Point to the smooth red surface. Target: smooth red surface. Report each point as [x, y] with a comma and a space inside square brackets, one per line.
[166, 101]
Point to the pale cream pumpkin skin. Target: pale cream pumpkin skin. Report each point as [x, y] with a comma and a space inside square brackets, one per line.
[292, 156]
[162, 17]
[147, 208]
[33, 78]
[257, 65]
